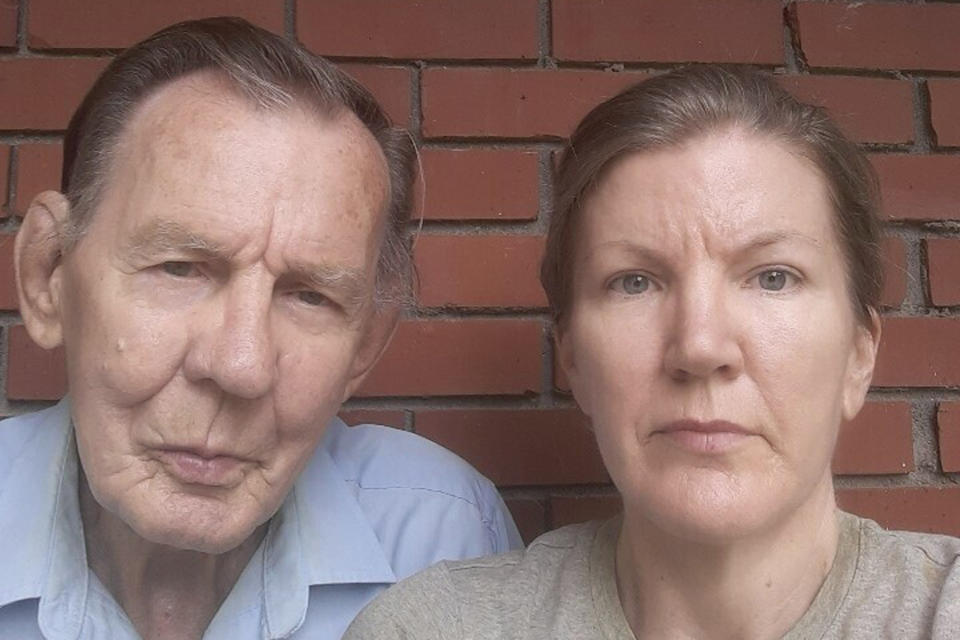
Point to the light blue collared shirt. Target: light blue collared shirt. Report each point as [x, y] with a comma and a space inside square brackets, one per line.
[373, 506]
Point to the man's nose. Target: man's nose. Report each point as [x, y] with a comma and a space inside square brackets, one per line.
[703, 336]
[233, 343]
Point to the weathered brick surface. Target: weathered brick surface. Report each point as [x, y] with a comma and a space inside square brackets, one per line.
[919, 187]
[948, 428]
[930, 509]
[462, 357]
[514, 103]
[525, 447]
[4, 179]
[8, 23]
[480, 271]
[918, 352]
[386, 417]
[111, 24]
[530, 517]
[944, 107]
[423, 29]
[480, 184]
[866, 109]
[880, 35]
[41, 93]
[878, 441]
[8, 285]
[389, 85]
[676, 31]
[944, 268]
[39, 170]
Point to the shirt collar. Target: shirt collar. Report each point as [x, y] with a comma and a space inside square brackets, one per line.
[41, 523]
[319, 536]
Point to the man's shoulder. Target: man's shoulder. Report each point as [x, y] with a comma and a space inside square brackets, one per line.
[377, 458]
[35, 436]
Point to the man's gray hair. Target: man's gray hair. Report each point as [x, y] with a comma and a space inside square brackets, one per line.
[271, 71]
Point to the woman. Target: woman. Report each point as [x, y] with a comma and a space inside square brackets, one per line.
[713, 269]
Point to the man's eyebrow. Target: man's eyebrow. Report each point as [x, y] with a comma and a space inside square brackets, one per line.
[351, 283]
[165, 235]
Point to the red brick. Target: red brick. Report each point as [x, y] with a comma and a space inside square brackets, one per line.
[480, 184]
[948, 426]
[480, 271]
[529, 516]
[894, 272]
[42, 93]
[560, 381]
[114, 24]
[675, 31]
[878, 441]
[459, 357]
[525, 447]
[928, 509]
[422, 29]
[389, 85]
[567, 510]
[38, 170]
[866, 109]
[943, 255]
[919, 187]
[391, 418]
[944, 107]
[33, 373]
[8, 285]
[880, 36]
[8, 23]
[4, 175]
[514, 102]
[918, 352]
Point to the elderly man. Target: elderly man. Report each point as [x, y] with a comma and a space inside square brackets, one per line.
[222, 269]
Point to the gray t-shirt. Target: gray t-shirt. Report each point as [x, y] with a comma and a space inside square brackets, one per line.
[883, 584]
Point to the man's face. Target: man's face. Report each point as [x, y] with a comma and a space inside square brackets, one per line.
[218, 309]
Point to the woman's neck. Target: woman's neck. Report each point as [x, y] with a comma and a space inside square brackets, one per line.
[166, 592]
[752, 588]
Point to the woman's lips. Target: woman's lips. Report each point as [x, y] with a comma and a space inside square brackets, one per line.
[193, 467]
[710, 437]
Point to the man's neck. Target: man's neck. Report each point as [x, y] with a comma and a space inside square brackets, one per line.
[752, 589]
[166, 592]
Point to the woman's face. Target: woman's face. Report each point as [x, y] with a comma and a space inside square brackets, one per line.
[711, 335]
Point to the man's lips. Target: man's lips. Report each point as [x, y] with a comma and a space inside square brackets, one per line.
[200, 466]
[706, 437]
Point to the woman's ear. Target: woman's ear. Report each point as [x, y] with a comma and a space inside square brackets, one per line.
[860, 364]
[567, 359]
[37, 258]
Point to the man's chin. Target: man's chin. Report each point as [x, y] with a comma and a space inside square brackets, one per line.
[202, 534]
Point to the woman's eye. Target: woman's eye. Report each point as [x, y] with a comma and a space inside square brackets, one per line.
[178, 268]
[632, 283]
[312, 298]
[773, 279]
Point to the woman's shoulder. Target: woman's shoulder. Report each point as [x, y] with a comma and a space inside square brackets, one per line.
[491, 593]
[906, 581]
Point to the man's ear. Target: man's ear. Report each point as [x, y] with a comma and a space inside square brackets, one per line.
[37, 258]
[380, 328]
[860, 365]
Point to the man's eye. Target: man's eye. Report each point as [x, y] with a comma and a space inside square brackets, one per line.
[774, 279]
[631, 283]
[179, 269]
[312, 298]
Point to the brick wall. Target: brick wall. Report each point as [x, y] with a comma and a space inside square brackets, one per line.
[489, 88]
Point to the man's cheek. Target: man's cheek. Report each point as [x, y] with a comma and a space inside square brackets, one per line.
[136, 362]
